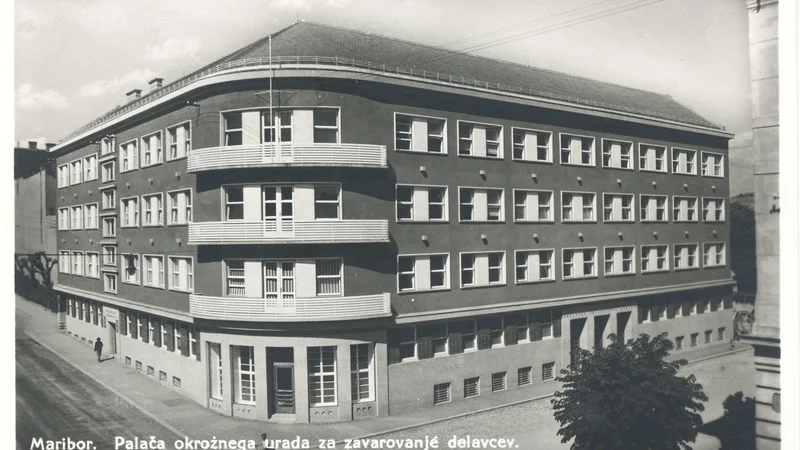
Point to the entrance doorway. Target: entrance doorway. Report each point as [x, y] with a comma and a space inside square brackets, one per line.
[280, 380]
[112, 338]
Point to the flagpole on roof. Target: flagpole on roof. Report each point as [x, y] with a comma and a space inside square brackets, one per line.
[271, 119]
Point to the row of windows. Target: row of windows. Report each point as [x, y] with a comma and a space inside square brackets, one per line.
[320, 125]
[428, 272]
[78, 217]
[278, 201]
[78, 171]
[89, 311]
[322, 375]
[654, 310]
[421, 203]
[282, 279]
[151, 208]
[499, 382]
[145, 270]
[455, 337]
[169, 334]
[429, 135]
[707, 338]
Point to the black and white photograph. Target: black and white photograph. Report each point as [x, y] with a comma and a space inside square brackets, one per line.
[403, 224]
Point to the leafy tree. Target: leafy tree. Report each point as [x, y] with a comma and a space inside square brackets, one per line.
[743, 245]
[34, 277]
[625, 396]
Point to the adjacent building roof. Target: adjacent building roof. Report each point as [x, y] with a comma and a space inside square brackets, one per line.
[324, 41]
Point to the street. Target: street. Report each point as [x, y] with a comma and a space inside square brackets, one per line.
[55, 401]
[533, 427]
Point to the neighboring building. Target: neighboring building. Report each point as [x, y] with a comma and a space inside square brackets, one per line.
[765, 337]
[335, 237]
[34, 201]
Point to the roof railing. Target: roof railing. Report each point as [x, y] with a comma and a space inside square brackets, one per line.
[336, 61]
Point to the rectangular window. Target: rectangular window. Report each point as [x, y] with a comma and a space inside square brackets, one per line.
[76, 172]
[714, 255]
[109, 226]
[577, 150]
[579, 263]
[92, 265]
[244, 375]
[533, 206]
[63, 261]
[90, 167]
[578, 207]
[362, 380]
[481, 140]
[329, 276]
[107, 145]
[63, 175]
[693, 341]
[154, 271]
[495, 327]
[129, 156]
[618, 208]
[90, 214]
[234, 203]
[524, 377]
[619, 261]
[235, 278]
[321, 376]
[181, 274]
[179, 141]
[152, 210]
[713, 209]
[326, 201]
[109, 198]
[654, 258]
[281, 121]
[326, 126]
[131, 270]
[108, 171]
[652, 158]
[420, 134]
[684, 209]
[721, 334]
[679, 343]
[617, 154]
[180, 207]
[472, 387]
[481, 205]
[76, 214]
[708, 334]
[233, 128]
[534, 265]
[77, 263]
[215, 370]
[498, 381]
[653, 208]
[416, 273]
[482, 269]
[109, 255]
[63, 218]
[407, 342]
[548, 370]
[684, 161]
[532, 145]
[110, 282]
[130, 212]
[685, 256]
[441, 393]
[421, 203]
[712, 165]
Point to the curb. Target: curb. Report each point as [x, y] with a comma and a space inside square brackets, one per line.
[97, 380]
[505, 405]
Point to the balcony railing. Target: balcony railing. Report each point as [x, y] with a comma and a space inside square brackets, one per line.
[289, 232]
[287, 154]
[295, 310]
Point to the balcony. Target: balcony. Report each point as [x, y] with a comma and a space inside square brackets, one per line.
[282, 155]
[290, 310]
[289, 232]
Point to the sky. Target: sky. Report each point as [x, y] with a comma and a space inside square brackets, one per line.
[76, 59]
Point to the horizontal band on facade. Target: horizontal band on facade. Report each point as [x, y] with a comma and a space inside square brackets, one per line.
[172, 314]
[551, 302]
[761, 386]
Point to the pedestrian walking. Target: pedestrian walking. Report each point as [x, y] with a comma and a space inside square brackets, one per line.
[98, 348]
[264, 443]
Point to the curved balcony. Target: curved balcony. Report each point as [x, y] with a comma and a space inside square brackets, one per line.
[282, 155]
[292, 310]
[295, 232]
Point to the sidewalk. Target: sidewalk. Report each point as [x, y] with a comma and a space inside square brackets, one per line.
[187, 418]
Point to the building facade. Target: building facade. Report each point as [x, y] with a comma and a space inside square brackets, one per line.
[304, 232]
[765, 337]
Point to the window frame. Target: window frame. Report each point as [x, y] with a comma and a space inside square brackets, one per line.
[315, 201]
[64, 262]
[65, 182]
[445, 148]
[688, 209]
[137, 212]
[103, 192]
[583, 277]
[549, 160]
[594, 207]
[72, 216]
[86, 167]
[122, 156]
[696, 265]
[72, 176]
[503, 268]
[724, 262]
[145, 205]
[703, 209]
[238, 374]
[103, 164]
[632, 198]
[103, 220]
[603, 153]
[487, 189]
[721, 164]
[666, 208]
[561, 148]
[115, 254]
[340, 276]
[168, 207]
[678, 150]
[87, 259]
[144, 148]
[225, 203]
[145, 269]
[445, 206]
[667, 257]
[168, 137]
[334, 372]
[77, 256]
[226, 277]
[415, 289]
[664, 160]
[108, 276]
[537, 250]
[64, 212]
[190, 273]
[124, 267]
[96, 218]
[537, 191]
[633, 270]
[501, 140]
[357, 373]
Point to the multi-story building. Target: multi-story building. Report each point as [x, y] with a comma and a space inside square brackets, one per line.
[328, 225]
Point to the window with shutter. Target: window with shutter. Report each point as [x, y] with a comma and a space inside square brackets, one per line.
[394, 355]
[424, 347]
[510, 335]
[455, 343]
[169, 335]
[183, 340]
[484, 339]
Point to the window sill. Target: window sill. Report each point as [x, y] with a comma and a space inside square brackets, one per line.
[688, 174]
[594, 166]
[161, 288]
[484, 286]
[549, 280]
[646, 272]
[482, 221]
[579, 221]
[496, 158]
[129, 226]
[619, 221]
[682, 269]
[152, 165]
[653, 221]
[684, 221]
[532, 161]
[713, 221]
[629, 169]
[445, 289]
[612, 275]
[713, 176]
[715, 266]
[176, 159]
[178, 224]
[438, 221]
[152, 226]
[534, 221]
[128, 170]
[653, 171]
[138, 283]
[590, 277]
[110, 292]
[417, 152]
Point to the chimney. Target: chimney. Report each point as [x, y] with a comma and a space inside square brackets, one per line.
[155, 84]
[134, 94]
[33, 145]
[49, 146]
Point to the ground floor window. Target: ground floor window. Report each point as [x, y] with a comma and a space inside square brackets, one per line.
[244, 375]
[361, 373]
[321, 376]
[215, 370]
[441, 393]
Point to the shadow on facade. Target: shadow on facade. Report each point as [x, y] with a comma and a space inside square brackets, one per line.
[736, 428]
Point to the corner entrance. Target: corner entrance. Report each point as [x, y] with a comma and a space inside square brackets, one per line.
[280, 376]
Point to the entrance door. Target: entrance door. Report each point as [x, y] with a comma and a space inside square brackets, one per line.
[283, 376]
[278, 209]
[112, 338]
